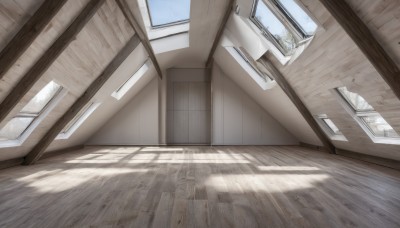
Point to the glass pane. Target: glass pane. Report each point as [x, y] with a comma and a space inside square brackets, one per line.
[77, 117]
[332, 126]
[246, 57]
[379, 126]
[40, 100]
[14, 128]
[299, 16]
[272, 24]
[164, 12]
[356, 101]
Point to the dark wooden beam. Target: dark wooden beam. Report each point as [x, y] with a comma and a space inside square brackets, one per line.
[28, 33]
[38, 69]
[366, 41]
[220, 32]
[284, 84]
[52, 133]
[142, 36]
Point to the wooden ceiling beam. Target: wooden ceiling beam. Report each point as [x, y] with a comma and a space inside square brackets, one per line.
[220, 32]
[142, 36]
[366, 41]
[94, 87]
[28, 33]
[284, 84]
[45, 61]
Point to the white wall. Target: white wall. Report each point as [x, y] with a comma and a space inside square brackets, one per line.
[238, 120]
[135, 124]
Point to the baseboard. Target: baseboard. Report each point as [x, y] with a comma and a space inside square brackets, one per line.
[390, 163]
[10, 163]
[61, 151]
[311, 146]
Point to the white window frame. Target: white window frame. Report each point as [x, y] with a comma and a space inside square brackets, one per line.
[36, 122]
[88, 110]
[302, 41]
[328, 131]
[127, 85]
[160, 31]
[357, 117]
[250, 69]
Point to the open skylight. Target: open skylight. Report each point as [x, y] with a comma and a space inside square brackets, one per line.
[166, 13]
[278, 32]
[23, 123]
[284, 22]
[250, 66]
[299, 16]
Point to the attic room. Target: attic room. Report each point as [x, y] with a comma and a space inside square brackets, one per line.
[206, 113]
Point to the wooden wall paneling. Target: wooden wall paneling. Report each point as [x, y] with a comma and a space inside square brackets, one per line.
[366, 41]
[142, 36]
[40, 67]
[286, 87]
[333, 60]
[94, 87]
[28, 33]
[220, 32]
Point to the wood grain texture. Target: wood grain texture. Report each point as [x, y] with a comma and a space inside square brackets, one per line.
[94, 87]
[366, 41]
[220, 32]
[248, 186]
[286, 87]
[27, 34]
[142, 36]
[333, 60]
[40, 67]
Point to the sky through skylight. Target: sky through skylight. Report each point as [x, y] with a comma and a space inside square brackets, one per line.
[163, 12]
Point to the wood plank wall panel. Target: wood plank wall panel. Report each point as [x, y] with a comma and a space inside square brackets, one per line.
[56, 26]
[333, 60]
[83, 60]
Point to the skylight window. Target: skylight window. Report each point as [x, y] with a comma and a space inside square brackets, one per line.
[78, 120]
[330, 128]
[299, 16]
[166, 13]
[284, 23]
[370, 120]
[21, 125]
[124, 88]
[261, 77]
[335, 130]
[356, 101]
[277, 31]
[250, 61]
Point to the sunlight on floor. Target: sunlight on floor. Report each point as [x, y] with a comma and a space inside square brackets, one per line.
[48, 182]
[268, 183]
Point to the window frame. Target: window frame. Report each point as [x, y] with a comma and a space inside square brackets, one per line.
[78, 120]
[301, 38]
[246, 66]
[358, 117]
[328, 130]
[166, 24]
[120, 92]
[250, 61]
[37, 119]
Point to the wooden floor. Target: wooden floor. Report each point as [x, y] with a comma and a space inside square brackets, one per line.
[255, 186]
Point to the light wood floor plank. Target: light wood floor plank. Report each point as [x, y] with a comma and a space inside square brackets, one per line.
[227, 186]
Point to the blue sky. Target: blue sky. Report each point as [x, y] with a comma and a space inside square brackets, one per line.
[168, 11]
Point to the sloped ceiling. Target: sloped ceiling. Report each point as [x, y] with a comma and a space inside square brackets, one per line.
[331, 60]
